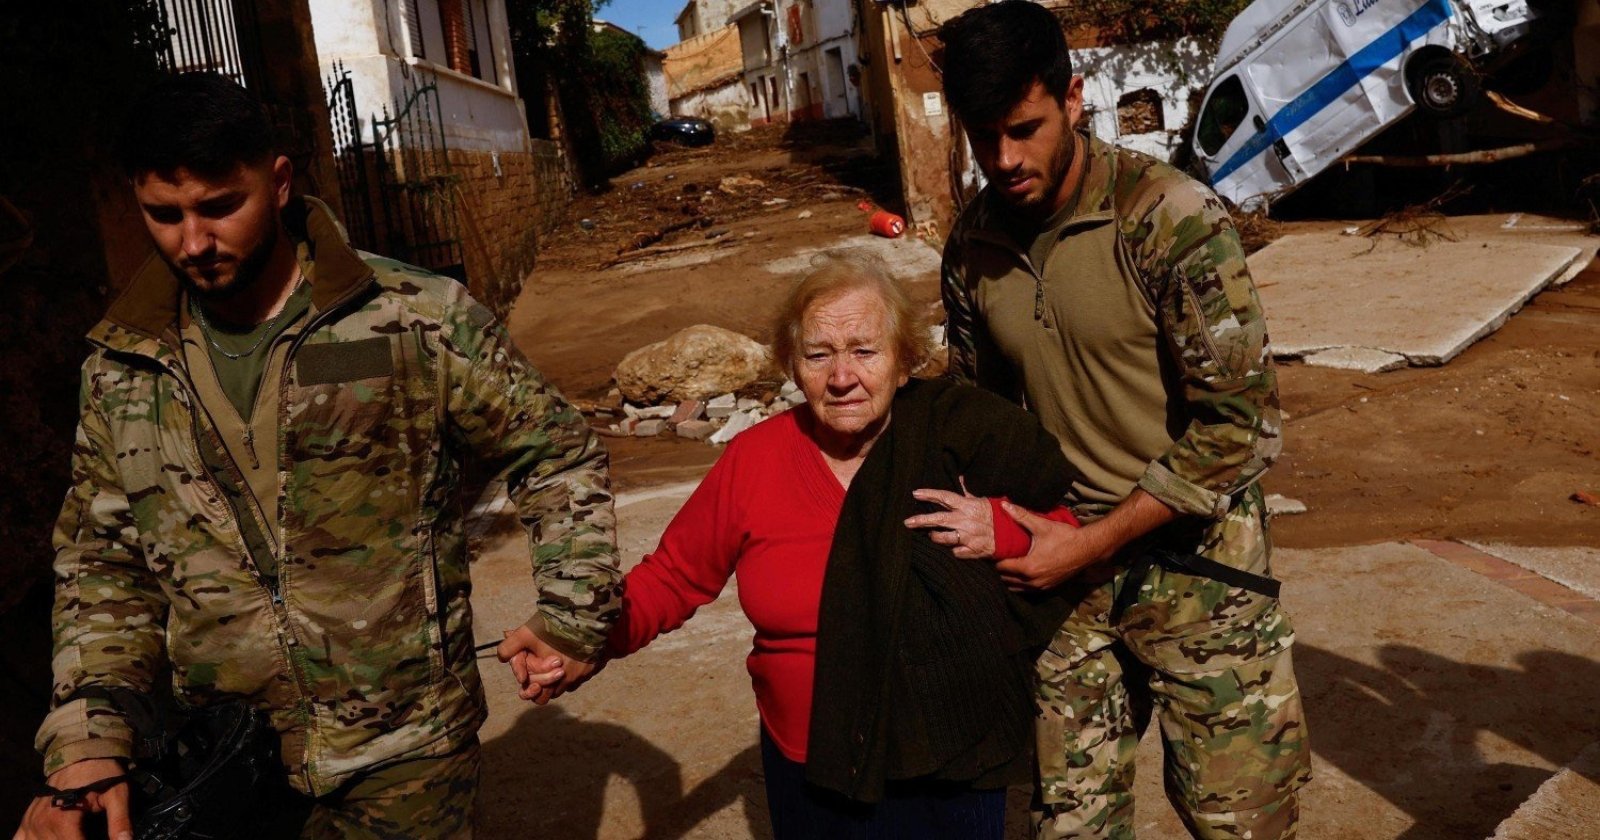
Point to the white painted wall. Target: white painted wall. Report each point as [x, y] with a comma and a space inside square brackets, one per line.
[727, 107]
[834, 18]
[657, 80]
[476, 115]
[1174, 69]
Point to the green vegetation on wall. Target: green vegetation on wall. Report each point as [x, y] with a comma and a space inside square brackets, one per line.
[598, 77]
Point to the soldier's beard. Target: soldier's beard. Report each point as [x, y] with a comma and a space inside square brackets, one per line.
[245, 276]
[1055, 174]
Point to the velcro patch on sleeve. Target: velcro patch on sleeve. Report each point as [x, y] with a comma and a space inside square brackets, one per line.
[347, 361]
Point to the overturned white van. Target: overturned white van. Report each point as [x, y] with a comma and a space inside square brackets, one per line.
[1301, 83]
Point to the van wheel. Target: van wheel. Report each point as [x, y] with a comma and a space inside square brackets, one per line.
[1443, 86]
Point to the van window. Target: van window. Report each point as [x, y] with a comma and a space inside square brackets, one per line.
[1224, 112]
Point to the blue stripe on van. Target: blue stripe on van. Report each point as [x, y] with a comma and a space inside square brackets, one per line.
[1329, 88]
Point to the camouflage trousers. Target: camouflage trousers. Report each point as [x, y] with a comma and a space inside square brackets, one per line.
[421, 799]
[1213, 663]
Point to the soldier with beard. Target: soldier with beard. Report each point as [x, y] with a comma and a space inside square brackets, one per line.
[1107, 292]
[266, 504]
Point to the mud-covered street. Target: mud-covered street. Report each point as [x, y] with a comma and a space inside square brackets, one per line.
[1441, 690]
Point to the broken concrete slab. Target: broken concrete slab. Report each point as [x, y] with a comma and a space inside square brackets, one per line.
[736, 424]
[649, 428]
[1364, 359]
[906, 256]
[1327, 290]
[1280, 505]
[1575, 567]
[1531, 227]
[1566, 805]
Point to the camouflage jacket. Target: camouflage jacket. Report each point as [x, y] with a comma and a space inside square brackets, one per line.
[1182, 315]
[363, 651]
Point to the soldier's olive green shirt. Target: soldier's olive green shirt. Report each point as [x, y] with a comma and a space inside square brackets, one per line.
[239, 357]
[1139, 341]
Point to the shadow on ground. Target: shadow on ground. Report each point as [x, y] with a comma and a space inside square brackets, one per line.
[1424, 731]
[843, 149]
[549, 776]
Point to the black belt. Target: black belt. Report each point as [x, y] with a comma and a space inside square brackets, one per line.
[1189, 564]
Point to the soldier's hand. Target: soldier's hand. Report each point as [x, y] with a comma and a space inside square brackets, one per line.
[538, 667]
[543, 672]
[45, 821]
[966, 523]
[1060, 550]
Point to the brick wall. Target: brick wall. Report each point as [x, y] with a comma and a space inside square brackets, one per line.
[502, 216]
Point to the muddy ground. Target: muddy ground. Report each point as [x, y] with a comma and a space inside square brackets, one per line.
[1491, 445]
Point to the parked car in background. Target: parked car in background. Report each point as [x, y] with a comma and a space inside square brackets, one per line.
[687, 131]
[1301, 83]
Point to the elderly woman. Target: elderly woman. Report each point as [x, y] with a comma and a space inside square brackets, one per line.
[893, 679]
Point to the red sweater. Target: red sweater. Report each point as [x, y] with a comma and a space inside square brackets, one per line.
[765, 513]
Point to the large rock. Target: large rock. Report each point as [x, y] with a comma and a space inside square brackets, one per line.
[696, 363]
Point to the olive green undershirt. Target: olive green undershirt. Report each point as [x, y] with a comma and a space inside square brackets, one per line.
[241, 377]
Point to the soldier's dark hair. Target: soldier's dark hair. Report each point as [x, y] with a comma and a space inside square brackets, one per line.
[994, 53]
[203, 122]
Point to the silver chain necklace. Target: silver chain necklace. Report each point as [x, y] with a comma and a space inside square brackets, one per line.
[266, 328]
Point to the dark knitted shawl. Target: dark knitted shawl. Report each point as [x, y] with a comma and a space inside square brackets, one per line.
[925, 661]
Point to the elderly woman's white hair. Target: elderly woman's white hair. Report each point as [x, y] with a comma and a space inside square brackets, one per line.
[835, 274]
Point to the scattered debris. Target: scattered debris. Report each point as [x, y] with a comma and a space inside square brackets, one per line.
[774, 202]
[804, 214]
[1279, 505]
[736, 184]
[1418, 224]
[736, 424]
[648, 238]
[1256, 229]
[696, 429]
[654, 412]
[716, 421]
[1585, 497]
[687, 411]
[586, 224]
[721, 408]
[886, 224]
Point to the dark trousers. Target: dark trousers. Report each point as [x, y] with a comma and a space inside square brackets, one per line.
[909, 811]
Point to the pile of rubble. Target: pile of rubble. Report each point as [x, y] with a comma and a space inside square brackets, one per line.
[715, 421]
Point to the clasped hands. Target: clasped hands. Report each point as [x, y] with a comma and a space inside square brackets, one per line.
[1058, 550]
[543, 673]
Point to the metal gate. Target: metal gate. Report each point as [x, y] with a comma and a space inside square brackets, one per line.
[398, 188]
